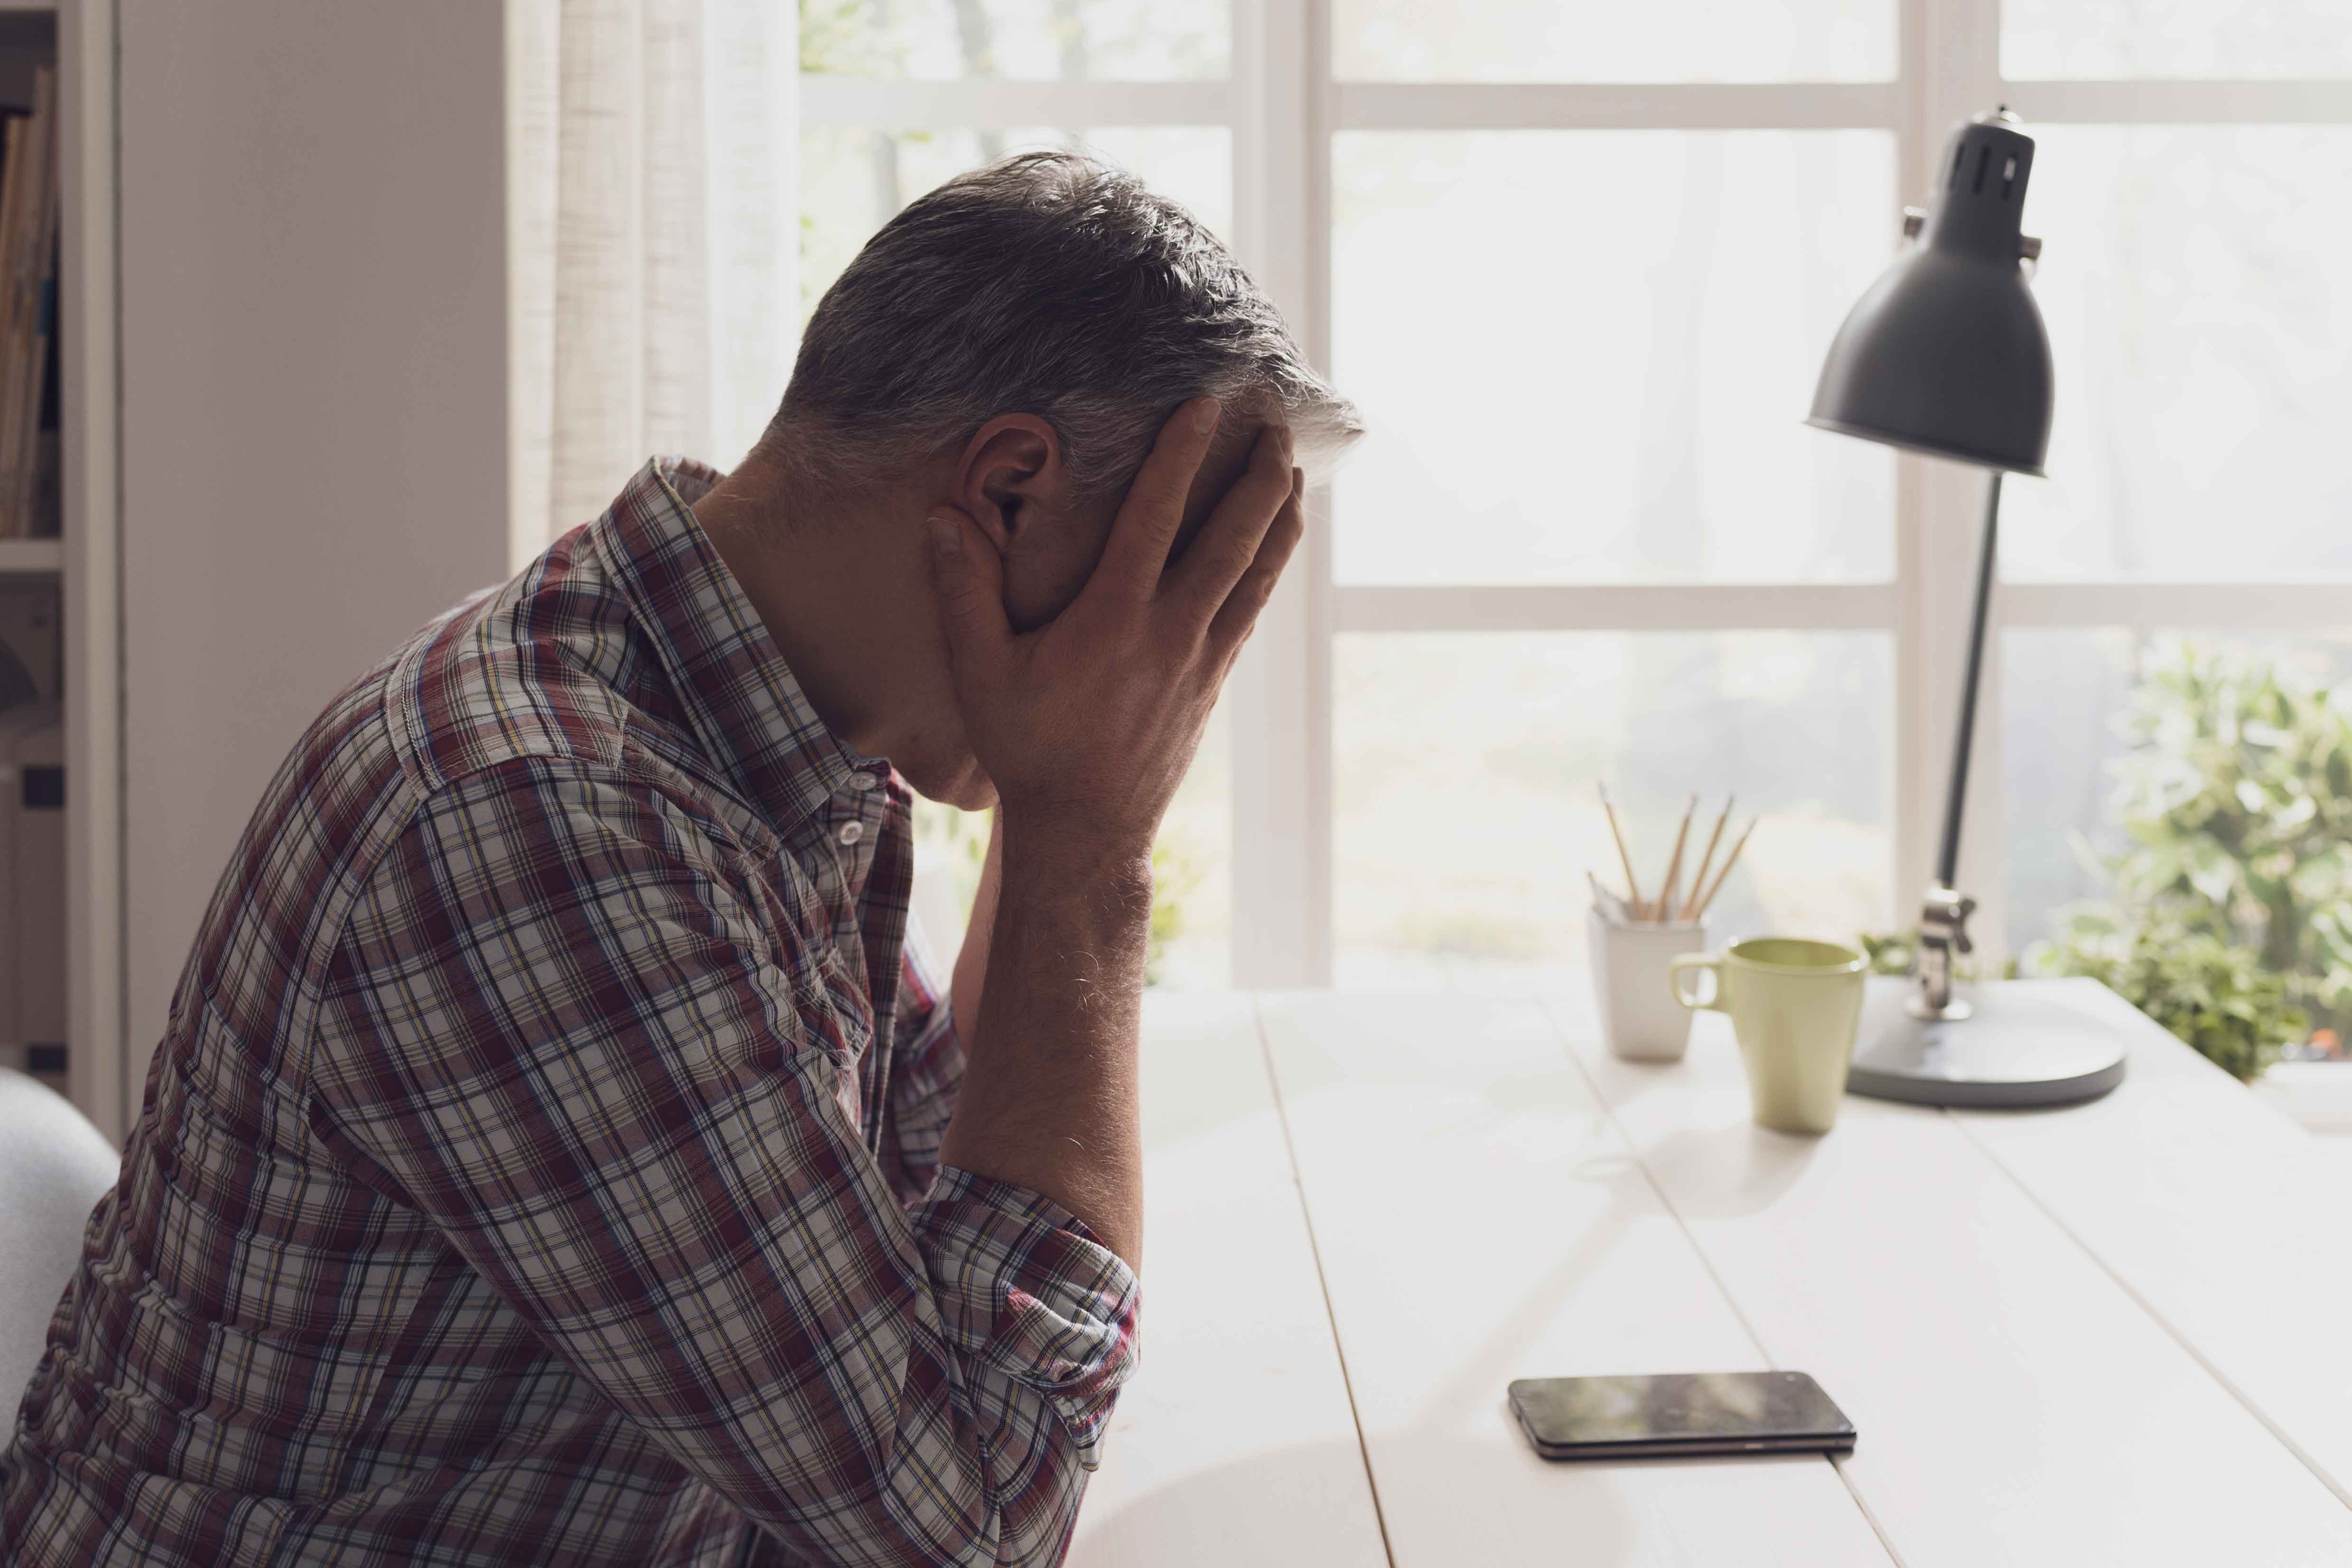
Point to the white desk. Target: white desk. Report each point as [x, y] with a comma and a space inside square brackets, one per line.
[1234, 1445]
[2102, 1334]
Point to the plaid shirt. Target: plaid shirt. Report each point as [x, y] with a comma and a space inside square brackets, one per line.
[542, 1163]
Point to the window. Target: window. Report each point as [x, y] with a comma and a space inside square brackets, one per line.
[1596, 412]
[1464, 815]
[1580, 264]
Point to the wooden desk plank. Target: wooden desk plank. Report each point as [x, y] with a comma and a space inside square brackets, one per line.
[2218, 1213]
[1479, 1219]
[2015, 1404]
[1235, 1444]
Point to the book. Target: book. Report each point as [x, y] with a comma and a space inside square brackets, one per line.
[16, 155]
[40, 293]
[28, 228]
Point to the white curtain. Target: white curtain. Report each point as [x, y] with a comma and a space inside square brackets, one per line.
[652, 238]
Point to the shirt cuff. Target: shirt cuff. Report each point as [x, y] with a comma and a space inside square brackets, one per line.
[1024, 1287]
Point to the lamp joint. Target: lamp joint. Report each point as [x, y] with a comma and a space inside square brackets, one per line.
[1943, 932]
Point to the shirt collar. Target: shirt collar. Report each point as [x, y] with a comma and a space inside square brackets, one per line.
[739, 695]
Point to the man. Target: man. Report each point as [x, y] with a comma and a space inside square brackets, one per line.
[555, 1155]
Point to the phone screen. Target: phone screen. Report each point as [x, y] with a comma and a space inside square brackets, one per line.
[1678, 1410]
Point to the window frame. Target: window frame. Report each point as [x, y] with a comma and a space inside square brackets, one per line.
[1282, 109]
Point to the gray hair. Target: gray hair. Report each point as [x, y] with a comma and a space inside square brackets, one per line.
[1049, 283]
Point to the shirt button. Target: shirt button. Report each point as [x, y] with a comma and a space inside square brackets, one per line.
[851, 832]
[861, 781]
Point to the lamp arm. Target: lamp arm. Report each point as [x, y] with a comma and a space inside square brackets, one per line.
[1947, 857]
[1944, 916]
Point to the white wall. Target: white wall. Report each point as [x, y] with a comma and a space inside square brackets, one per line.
[314, 386]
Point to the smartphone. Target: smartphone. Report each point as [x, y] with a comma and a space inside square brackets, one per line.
[1678, 1414]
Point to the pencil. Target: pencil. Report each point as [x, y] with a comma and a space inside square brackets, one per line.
[1698, 877]
[1675, 865]
[1728, 862]
[1632, 887]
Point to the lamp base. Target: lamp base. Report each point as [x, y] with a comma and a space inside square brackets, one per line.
[2019, 1050]
[1926, 1012]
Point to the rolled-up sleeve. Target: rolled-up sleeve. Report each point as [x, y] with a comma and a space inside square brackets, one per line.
[566, 1026]
[1026, 1291]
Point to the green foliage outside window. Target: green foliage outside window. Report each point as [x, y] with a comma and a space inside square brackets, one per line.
[1175, 873]
[2232, 918]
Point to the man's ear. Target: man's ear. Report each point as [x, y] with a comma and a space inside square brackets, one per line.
[1010, 474]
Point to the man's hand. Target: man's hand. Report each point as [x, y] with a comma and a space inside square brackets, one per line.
[1087, 724]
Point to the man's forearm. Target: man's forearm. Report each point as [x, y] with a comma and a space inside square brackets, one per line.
[1048, 1100]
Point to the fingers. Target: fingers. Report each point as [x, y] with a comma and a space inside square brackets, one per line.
[1229, 545]
[1240, 610]
[1149, 519]
[970, 580]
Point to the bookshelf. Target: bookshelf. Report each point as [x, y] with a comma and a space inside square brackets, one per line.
[77, 37]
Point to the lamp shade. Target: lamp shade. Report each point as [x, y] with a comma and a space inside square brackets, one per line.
[1946, 355]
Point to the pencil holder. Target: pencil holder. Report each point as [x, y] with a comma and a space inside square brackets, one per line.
[1641, 1020]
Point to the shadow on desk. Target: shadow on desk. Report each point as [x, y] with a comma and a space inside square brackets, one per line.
[1767, 1165]
[1297, 1504]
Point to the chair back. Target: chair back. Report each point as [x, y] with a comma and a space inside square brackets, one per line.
[54, 1167]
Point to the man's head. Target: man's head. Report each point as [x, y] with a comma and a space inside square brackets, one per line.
[1008, 347]
[1012, 343]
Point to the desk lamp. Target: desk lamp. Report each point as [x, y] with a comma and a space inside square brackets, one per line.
[1946, 355]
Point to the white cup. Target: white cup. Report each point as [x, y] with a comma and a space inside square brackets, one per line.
[1641, 1020]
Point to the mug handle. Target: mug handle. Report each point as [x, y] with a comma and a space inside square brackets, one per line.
[1702, 962]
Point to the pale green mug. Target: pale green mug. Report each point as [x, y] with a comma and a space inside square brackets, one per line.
[1794, 1007]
